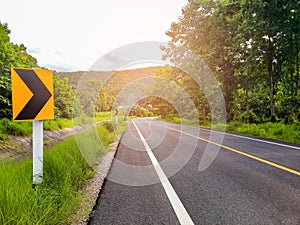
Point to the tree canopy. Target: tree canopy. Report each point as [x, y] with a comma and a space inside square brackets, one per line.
[253, 49]
[11, 55]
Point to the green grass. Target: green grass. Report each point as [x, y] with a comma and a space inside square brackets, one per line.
[100, 116]
[92, 144]
[15, 128]
[82, 120]
[53, 201]
[276, 131]
[174, 119]
[57, 124]
[7, 127]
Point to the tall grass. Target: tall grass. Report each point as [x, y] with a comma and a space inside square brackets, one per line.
[276, 131]
[7, 127]
[53, 201]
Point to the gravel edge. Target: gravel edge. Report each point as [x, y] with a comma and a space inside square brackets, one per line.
[92, 188]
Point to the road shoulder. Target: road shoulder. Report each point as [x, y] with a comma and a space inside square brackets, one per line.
[92, 188]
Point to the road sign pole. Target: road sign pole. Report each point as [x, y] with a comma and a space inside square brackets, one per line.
[37, 151]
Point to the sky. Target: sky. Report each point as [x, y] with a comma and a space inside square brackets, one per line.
[70, 35]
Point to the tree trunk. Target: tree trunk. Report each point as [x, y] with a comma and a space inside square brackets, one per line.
[297, 65]
[271, 91]
[247, 99]
[203, 111]
[271, 76]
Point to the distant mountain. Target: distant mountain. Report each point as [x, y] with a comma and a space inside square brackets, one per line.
[113, 81]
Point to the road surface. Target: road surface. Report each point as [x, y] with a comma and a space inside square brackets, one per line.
[250, 181]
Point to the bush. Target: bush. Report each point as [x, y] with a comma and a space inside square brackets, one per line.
[273, 118]
[191, 115]
[253, 118]
[173, 120]
[15, 128]
[289, 120]
[3, 137]
[108, 125]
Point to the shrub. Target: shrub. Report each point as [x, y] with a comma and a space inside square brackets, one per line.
[3, 137]
[253, 118]
[15, 128]
[289, 120]
[108, 125]
[273, 118]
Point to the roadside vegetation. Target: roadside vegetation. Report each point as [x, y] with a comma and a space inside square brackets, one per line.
[276, 131]
[7, 127]
[53, 201]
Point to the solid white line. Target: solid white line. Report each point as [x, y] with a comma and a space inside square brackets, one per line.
[249, 138]
[254, 139]
[180, 211]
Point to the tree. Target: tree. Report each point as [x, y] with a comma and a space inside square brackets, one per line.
[104, 101]
[64, 97]
[11, 55]
[206, 29]
[251, 46]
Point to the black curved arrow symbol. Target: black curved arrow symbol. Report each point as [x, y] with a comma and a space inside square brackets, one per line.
[40, 94]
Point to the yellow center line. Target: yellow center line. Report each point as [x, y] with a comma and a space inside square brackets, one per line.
[240, 152]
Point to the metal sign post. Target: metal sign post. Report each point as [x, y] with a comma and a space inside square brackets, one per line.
[37, 151]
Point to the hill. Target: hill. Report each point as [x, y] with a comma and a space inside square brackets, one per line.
[113, 81]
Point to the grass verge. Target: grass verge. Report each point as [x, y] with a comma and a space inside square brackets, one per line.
[100, 116]
[53, 201]
[57, 124]
[7, 127]
[276, 131]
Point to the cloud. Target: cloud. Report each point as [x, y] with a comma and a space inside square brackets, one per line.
[59, 67]
[34, 50]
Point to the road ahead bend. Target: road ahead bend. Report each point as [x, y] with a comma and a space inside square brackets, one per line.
[155, 179]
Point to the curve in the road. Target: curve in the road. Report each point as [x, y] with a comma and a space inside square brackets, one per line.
[241, 152]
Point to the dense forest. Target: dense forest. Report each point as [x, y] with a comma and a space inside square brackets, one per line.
[97, 91]
[253, 49]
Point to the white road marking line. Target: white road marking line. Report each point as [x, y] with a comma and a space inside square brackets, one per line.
[255, 139]
[180, 211]
[249, 138]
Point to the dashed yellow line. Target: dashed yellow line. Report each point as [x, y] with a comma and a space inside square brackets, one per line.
[240, 152]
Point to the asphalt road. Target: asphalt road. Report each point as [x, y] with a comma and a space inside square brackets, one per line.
[250, 181]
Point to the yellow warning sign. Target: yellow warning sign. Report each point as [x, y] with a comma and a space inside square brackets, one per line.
[32, 94]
